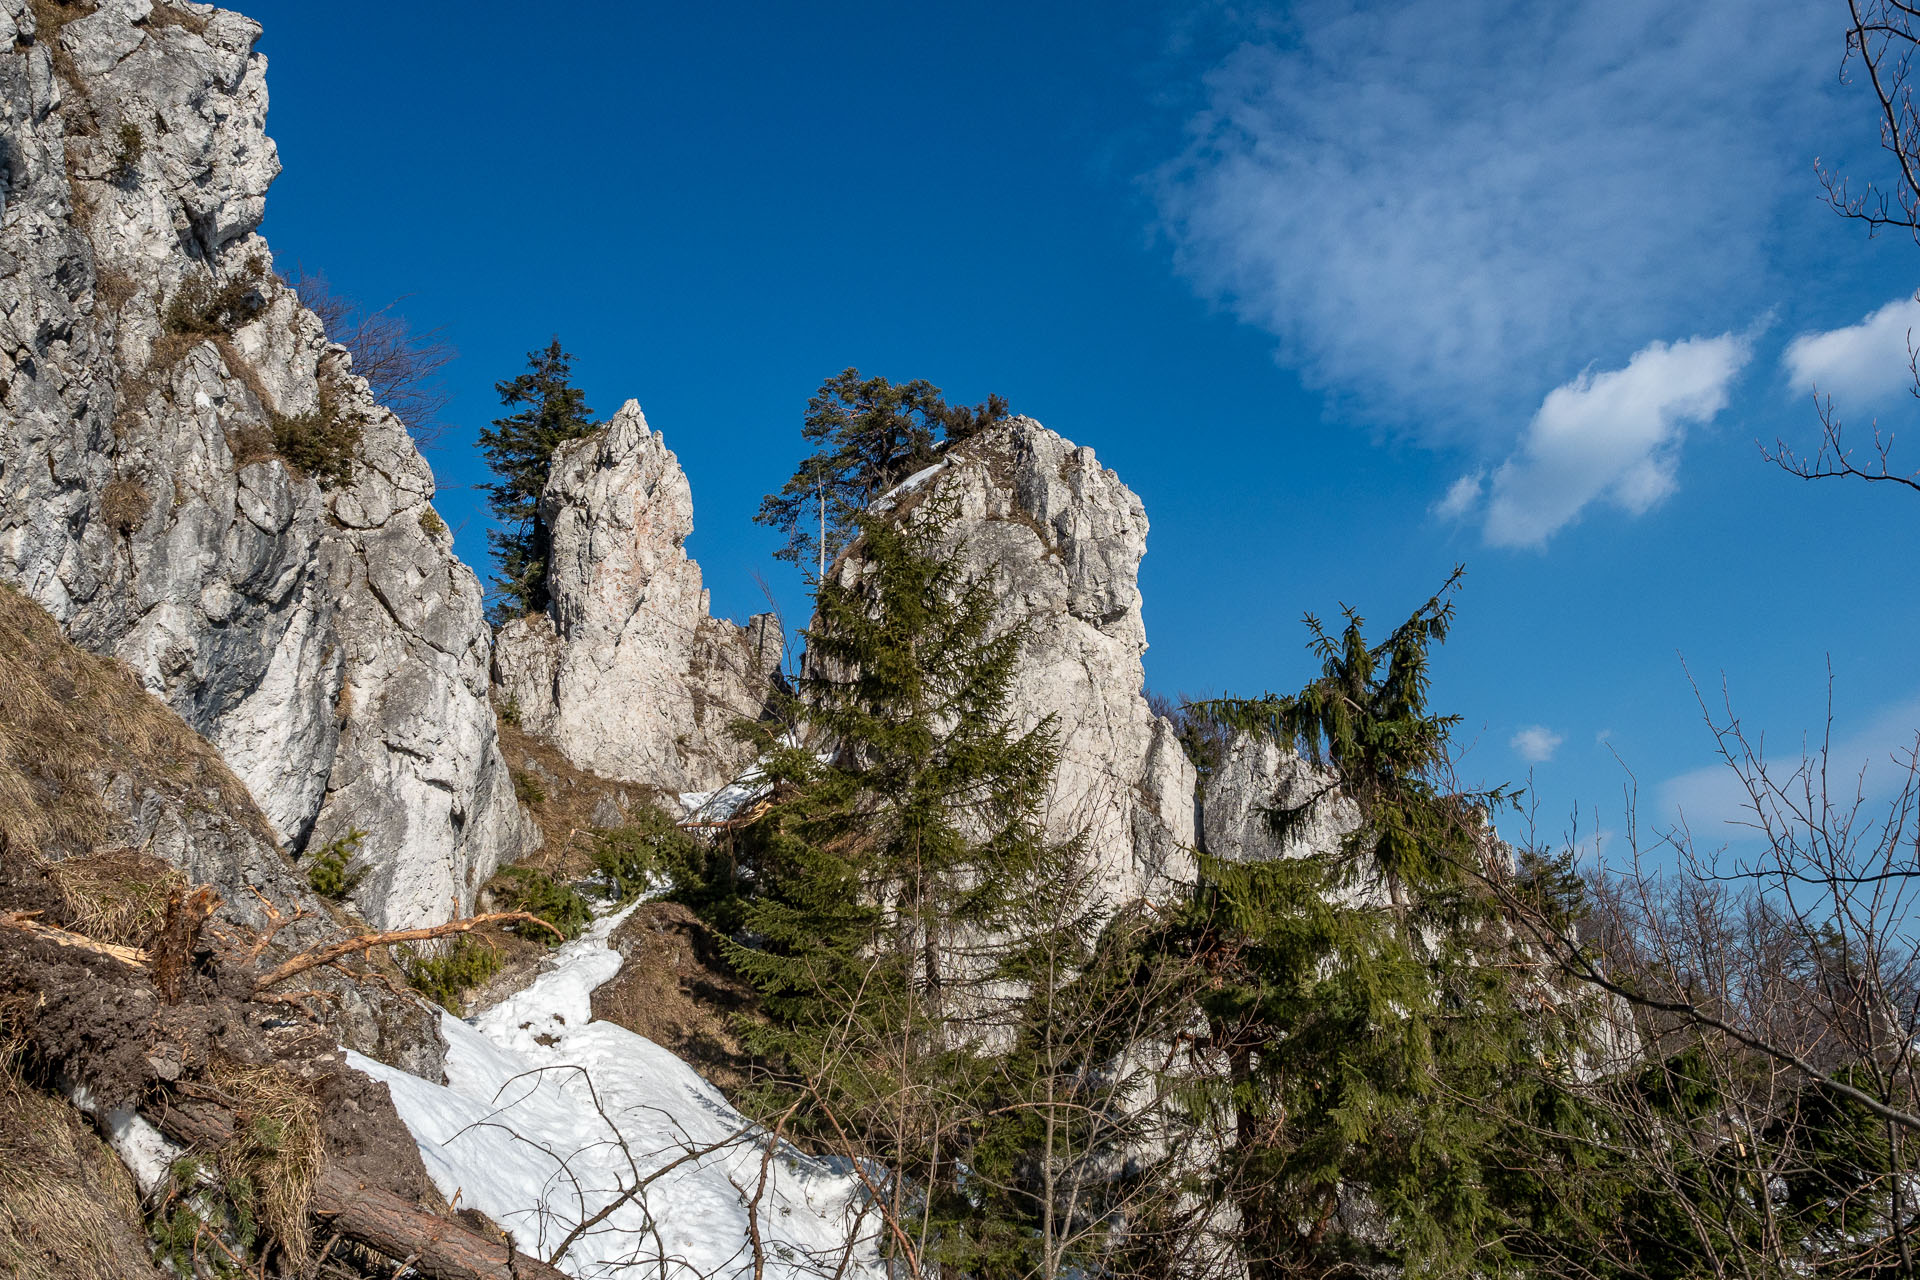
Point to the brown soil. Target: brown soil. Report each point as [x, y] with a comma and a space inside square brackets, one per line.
[676, 990]
[565, 801]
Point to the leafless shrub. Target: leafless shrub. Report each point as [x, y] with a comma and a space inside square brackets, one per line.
[402, 367]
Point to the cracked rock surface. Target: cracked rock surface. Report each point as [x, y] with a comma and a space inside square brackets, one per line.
[323, 637]
[626, 672]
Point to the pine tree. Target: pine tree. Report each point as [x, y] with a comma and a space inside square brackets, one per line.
[882, 880]
[519, 448]
[868, 435]
[1354, 1017]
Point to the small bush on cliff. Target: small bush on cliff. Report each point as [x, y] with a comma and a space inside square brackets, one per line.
[133, 145]
[868, 435]
[328, 872]
[321, 444]
[446, 978]
[519, 448]
[560, 905]
[199, 309]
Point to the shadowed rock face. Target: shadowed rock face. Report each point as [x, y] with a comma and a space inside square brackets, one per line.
[626, 673]
[1063, 539]
[327, 641]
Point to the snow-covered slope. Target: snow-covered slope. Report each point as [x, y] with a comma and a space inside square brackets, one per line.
[548, 1118]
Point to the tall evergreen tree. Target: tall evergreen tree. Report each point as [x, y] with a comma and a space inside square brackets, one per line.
[1355, 1004]
[885, 875]
[519, 448]
[868, 434]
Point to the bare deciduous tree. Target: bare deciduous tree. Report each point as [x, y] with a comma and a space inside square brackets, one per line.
[402, 367]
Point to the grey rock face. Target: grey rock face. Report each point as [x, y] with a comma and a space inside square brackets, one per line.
[626, 673]
[325, 640]
[1256, 776]
[1063, 539]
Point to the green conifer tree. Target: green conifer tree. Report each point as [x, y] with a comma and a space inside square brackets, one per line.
[867, 436]
[519, 448]
[1353, 1010]
[883, 877]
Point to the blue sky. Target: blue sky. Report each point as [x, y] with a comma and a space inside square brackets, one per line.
[1347, 293]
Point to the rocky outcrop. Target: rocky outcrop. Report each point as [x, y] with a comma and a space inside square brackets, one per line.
[626, 672]
[1063, 539]
[1255, 776]
[153, 371]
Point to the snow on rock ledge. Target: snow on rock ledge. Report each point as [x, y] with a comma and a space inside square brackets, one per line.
[328, 642]
[1063, 538]
[517, 1133]
[626, 673]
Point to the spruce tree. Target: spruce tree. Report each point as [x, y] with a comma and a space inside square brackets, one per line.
[868, 434]
[883, 878]
[1356, 1010]
[519, 448]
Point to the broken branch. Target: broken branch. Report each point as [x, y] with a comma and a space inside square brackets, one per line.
[323, 955]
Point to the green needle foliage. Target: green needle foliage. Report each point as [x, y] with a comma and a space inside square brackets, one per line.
[867, 436]
[519, 448]
[883, 882]
[1356, 1008]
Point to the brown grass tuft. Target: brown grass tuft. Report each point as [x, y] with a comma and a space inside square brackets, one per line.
[166, 15]
[67, 1206]
[68, 718]
[115, 895]
[124, 503]
[275, 1150]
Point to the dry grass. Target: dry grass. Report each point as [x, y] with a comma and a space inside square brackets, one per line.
[166, 15]
[564, 810]
[275, 1151]
[67, 719]
[67, 1206]
[115, 895]
[124, 503]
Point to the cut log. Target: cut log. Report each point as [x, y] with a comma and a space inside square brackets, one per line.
[441, 1246]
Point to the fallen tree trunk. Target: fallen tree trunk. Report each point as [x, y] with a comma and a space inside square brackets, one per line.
[365, 942]
[441, 1246]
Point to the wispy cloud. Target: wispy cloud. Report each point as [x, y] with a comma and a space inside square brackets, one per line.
[1715, 802]
[1868, 361]
[1536, 743]
[1445, 207]
[1604, 437]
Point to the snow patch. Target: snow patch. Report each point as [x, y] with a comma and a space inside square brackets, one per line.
[549, 1118]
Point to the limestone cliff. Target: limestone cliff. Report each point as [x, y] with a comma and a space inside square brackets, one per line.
[156, 383]
[1063, 538]
[1257, 775]
[626, 673]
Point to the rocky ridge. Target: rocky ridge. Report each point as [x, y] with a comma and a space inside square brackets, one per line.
[152, 368]
[626, 672]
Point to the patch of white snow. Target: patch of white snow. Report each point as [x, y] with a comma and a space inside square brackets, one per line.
[549, 1118]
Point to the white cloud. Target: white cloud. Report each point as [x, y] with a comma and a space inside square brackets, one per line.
[1865, 361]
[1536, 743]
[1444, 207]
[1462, 497]
[1611, 437]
